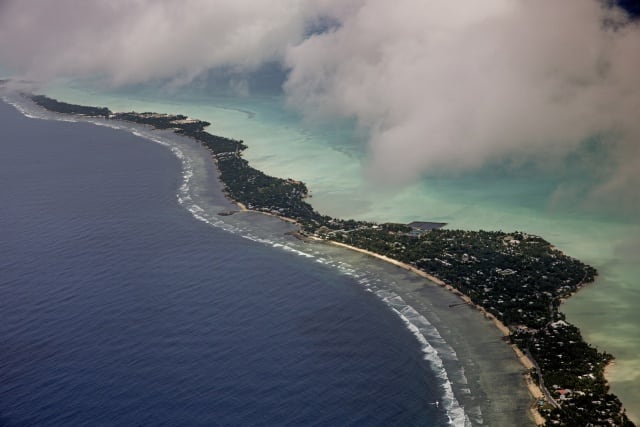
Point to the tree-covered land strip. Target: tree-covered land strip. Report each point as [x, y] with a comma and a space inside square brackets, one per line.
[63, 107]
[573, 372]
[520, 278]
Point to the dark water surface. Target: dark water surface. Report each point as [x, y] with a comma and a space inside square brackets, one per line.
[117, 307]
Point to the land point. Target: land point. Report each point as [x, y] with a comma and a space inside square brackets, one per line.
[516, 279]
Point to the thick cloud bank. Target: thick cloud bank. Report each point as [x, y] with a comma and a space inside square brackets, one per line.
[442, 87]
[139, 40]
[439, 86]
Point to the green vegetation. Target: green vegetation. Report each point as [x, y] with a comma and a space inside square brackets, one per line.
[574, 374]
[519, 278]
[63, 107]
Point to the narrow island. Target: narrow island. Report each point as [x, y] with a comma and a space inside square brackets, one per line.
[516, 279]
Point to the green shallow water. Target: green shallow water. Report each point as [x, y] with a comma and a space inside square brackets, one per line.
[331, 160]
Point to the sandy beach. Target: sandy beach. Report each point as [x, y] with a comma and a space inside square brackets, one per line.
[608, 370]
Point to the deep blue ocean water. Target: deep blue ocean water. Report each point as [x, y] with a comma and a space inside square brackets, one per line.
[117, 307]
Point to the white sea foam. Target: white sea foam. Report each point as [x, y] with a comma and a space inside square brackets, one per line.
[295, 251]
[22, 108]
[417, 323]
[434, 348]
[184, 194]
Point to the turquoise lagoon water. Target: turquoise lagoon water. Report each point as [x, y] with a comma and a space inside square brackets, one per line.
[331, 159]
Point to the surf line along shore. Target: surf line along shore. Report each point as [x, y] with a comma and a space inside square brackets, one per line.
[534, 275]
[535, 391]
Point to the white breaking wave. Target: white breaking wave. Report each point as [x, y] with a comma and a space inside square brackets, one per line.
[290, 249]
[22, 108]
[433, 346]
[457, 415]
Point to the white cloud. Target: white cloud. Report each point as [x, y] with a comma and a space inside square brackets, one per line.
[439, 86]
[135, 41]
[442, 86]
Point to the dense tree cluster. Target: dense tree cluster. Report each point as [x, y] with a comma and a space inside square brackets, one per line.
[574, 374]
[63, 107]
[518, 277]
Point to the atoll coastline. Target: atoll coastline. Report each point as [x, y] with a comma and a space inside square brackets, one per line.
[515, 279]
